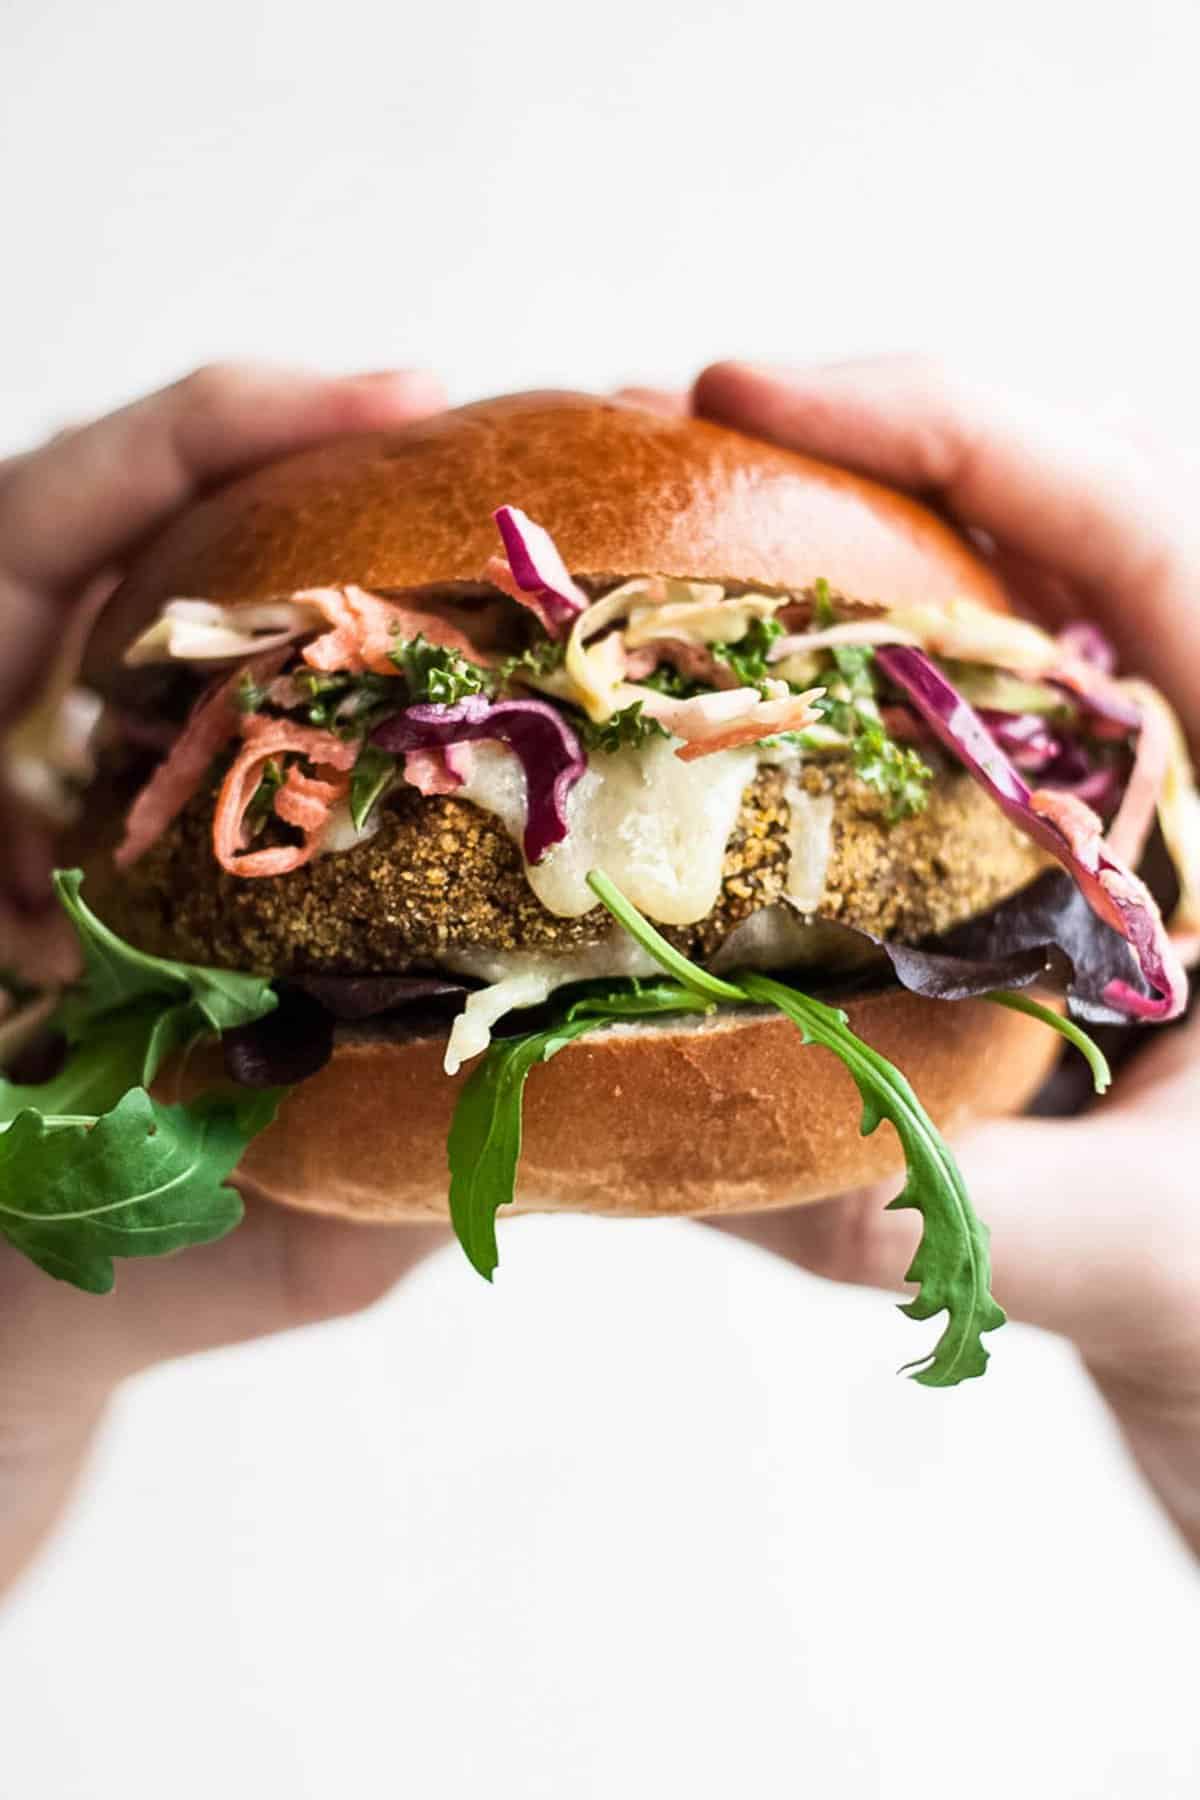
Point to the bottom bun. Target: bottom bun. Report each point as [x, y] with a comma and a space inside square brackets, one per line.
[732, 1114]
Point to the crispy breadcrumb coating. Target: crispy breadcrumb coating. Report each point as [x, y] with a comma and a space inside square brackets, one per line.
[441, 875]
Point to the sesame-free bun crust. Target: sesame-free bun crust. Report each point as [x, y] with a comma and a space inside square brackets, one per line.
[730, 1116]
[736, 1115]
[622, 491]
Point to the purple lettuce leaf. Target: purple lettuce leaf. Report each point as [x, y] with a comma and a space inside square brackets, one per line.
[1046, 936]
[295, 1041]
[289, 1045]
[351, 998]
[1062, 824]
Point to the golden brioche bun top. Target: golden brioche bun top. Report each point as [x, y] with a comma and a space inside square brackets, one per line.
[623, 492]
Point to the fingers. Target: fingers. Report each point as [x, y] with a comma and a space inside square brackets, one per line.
[1038, 484]
[1084, 506]
[91, 493]
[1161, 1085]
[1078, 1245]
[279, 1269]
[62, 1352]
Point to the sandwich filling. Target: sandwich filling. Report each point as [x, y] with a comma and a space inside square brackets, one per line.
[899, 769]
[558, 783]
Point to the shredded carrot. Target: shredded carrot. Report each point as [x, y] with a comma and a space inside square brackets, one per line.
[303, 800]
[211, 724]
[364, 630]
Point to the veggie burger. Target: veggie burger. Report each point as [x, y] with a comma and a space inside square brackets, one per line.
[720, 782]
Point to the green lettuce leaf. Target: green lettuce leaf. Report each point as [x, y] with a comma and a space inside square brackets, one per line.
[142, 1180]
[484, 1145]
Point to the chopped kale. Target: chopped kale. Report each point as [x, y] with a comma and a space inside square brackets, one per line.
[748, 656]
[436, 674]
[623, 730]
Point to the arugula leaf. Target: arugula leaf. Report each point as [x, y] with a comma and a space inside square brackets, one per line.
[1091, 1052]
[116, 1055]
[484, 1145]
[117, 974]
[638, 998]
[91, 1166]
[373, 772]
[704, 985]
[951, 1265]
[625, 729]
[144, 1179]
[436, 674]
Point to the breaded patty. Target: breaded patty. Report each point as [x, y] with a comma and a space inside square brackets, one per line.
[440, 875]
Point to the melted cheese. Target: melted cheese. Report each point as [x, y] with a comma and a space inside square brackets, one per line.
[341, 834]
[810, 844]
[471, 1032]
[519, 978]
[657, 826]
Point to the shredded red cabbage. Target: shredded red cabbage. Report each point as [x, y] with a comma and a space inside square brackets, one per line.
[1112, 713]
[1073, 771]
[1062, 823]
[537, 568]
[1025, 737]
[551, 754]
[1089, 644]
[1061, 763]
[1088, 664]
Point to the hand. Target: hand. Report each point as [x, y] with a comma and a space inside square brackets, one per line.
[1095, 1221]
[69, 513]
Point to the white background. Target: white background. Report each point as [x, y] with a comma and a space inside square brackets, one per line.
[654, 1517]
